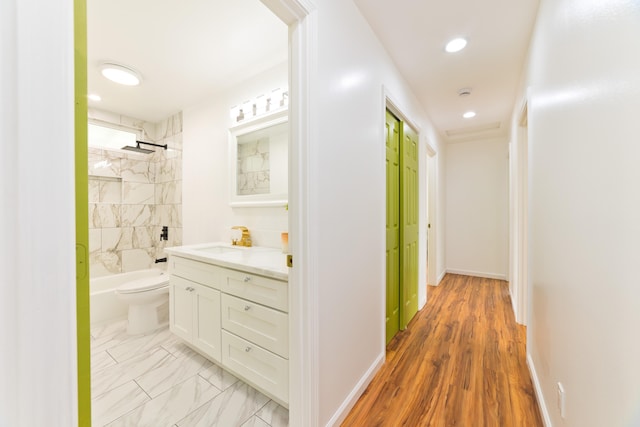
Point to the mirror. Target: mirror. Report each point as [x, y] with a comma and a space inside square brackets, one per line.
[259, 161]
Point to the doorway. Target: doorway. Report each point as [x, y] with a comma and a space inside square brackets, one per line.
[295, 15]
[401, 145]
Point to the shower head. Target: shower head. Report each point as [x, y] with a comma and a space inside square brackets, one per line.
[139, 149]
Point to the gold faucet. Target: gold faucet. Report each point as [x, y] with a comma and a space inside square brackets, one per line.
[245, 240]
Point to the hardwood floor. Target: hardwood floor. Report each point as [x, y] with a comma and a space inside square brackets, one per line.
[461, 362]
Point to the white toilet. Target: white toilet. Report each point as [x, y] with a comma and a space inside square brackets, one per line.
[148, 300]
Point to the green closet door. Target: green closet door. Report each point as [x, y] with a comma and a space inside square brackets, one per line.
[409, 225]
[393, 226]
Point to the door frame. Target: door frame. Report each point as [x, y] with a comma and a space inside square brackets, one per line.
[519, 195]
[301, 18]
[304, 376]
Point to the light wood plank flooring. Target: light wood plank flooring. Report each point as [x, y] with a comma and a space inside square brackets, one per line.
[461, 362]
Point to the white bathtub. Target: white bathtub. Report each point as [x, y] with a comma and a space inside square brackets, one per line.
[104, 303]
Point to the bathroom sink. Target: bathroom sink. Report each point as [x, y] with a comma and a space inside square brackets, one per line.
[219, 249]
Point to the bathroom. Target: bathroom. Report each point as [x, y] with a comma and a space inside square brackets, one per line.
[185, 188]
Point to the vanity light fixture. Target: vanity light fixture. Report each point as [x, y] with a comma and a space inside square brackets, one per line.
[469, 114]
[456, 45]
[260, 105]
[120, 74]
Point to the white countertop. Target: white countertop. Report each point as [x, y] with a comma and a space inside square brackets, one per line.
[268, 262]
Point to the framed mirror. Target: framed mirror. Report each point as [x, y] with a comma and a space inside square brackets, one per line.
[259, 161]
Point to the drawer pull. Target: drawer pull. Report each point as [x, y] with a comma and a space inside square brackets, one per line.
[248, 349]
[190, 289]
[247, 279]
[247, 307]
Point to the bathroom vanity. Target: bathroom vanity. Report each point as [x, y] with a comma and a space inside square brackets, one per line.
[231, 304]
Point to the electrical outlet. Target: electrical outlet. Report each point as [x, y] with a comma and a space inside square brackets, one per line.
[561, 400]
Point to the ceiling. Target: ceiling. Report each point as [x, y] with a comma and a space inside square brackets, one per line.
[414, 32]
[185, 51]
[188, 51]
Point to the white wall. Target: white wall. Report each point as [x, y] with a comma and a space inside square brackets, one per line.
[347, 181]
[584, 78]
[207, 215]
[477, 208]
[37, 289]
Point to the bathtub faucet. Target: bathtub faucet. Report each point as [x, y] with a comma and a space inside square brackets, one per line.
[161, 260]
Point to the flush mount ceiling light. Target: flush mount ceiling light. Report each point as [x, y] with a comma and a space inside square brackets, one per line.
[456, 45]
[120, 74]
[469, 114]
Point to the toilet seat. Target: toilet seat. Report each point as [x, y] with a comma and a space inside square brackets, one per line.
[144, 284]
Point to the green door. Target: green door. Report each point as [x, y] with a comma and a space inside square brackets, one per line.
[409, 225]
[393, 226]
[402, 225]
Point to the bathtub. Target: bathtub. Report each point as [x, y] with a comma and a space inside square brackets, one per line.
[104, 303]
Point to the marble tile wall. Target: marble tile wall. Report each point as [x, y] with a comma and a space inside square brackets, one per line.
[253, 167]
[132, 196]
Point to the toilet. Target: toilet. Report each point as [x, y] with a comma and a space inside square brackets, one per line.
[148, 301]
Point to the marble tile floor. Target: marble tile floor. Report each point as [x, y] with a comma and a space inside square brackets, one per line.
[155, 380]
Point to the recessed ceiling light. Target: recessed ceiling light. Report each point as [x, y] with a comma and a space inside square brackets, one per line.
[465, 91]
[94, 97]
[455, 45]
[120, 74]
[469, 114]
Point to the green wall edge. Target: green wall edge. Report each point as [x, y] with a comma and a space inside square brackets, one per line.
[82, 214]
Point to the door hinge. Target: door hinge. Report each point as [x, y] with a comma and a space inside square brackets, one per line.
[289, 260]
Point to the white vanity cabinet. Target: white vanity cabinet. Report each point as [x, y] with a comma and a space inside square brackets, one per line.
[194, 315]
[236, 318]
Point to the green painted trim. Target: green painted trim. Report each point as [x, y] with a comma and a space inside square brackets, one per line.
[82, 214]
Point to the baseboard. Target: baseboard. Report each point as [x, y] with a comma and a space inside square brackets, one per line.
[477, 274]
[546, 419]
[357, 391]
[444, 273]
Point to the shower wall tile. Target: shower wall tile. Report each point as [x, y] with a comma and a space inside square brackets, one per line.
[174, 143]
[169, 170]
[116, 239]
[137, 259]
[137, 171]
[136, 193]
[104, 215]
[137, 215]
[105, 263]
[95, 240]
[169, 215]
[132, 195]
[169, 193]
[110, 191]
[143, 237]
[94, 190]
[102, 165]
[169, 127]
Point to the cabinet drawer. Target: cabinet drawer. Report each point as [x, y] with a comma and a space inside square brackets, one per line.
[261, 325]
[259, 366]
[263, 290]
[200, 272]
